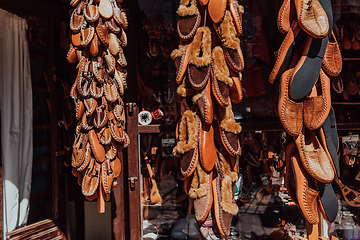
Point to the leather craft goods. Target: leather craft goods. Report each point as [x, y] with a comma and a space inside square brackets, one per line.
[312, 18]
[231, 43]
[200, 59]
[308, 67]
[236, 94]
[97, 91]
[328, 137]
[337, 84]
[216, 10]
[228, 129]
[189, 19]
[318, 103]
[155, 196]
[236, 11]
[201, 192]
[181, 58]
[286, 16]
[293, 39]
[207, 148]
[313, 156]
[206, 105]
[351, 196]
[291, 113]
[350, 83]
[187, 145]
[306, 191]
[332, 62]
[224, 207]
[327, 201]
[220, 77]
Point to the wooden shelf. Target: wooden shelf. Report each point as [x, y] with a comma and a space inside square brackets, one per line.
[156, 128]
[345, 103]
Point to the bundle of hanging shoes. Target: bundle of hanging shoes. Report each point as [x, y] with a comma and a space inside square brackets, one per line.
[98, 37]
[208, 65]
[308, 55]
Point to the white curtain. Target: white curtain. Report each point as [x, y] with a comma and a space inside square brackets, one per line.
[16, 120]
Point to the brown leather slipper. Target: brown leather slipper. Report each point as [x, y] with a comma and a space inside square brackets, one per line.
[205, 104]
[91, 12]
[107, 176]
[306, 191]
[87, 34]
[286, 16]
[91, 179]
[332, 62]
[312, 18]
[187, 146]
[82, 165]
[290, 112]
[207, 147]
[99, 69]
[236, 94]
[104, 136]
[102, 31]
[224, 207]
[79, 109]
[71, 56]
[101, 114]
[313, 156]
[293, 39]
[220, 80]
[79, 149]
[96, 89]
[318, 103]
[189, 19]
[105, 9]
[97, 149]
[236, 11]
[231, 43]
[201, 192]
[181, 59]
[229, 130]
[77, 17]
[200, 59]
[217, 9]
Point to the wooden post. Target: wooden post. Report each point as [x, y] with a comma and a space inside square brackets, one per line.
[312, 231]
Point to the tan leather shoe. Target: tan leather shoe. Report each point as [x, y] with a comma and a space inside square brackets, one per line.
[313, 156]
[79, 150]
[290, 183]
[181, 58]
[286, 16]
[105, 9]
[318, 103]
[77, 17]
[312, 18]
[97, 149]
[332, 62]
[206, 105]
[216, 10]
[91, 12]
[91, 179]
[94, 46]
[207, 147]
[102, 31]
[306, 191]
[96, 89]
[236, 12]
[71, 56]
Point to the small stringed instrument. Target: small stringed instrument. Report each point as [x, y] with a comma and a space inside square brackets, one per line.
[155, 196]
[351, 196]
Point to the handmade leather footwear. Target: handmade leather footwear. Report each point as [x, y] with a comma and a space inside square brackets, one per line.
[286, 16]
[207, 147]
[71, 56]
[99, 69]
[97, 149]
[87, 34]
[293, 39]
[332, 62]
[94, 46]
[90, 106]
[308, 67]
[79, 109]
[110, 151]
[290, 112]
[107, 176]
[105, 136]
[337, 84]
[306, 191]
[224, 207]
[187, 146]
[112, 26]
[121, 58]
[201, 192]
[91, 179]
[216, 10]
[206, 105]
[116, 129]
[85, 162]
[318, 103]
[236, 94]
[96, 89]
[313, 156]
[105, 9]
[327, 201]
[101, 114]
[350, 83]
[230, 42]
[79, 150]
[102, 31]
[189, 19]
[91, 12]
[228, 129]
[236, 12]
[220, 80]
[77, 17]
[114, 44]
[312, 18]
[181, 59]
[200, 59]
